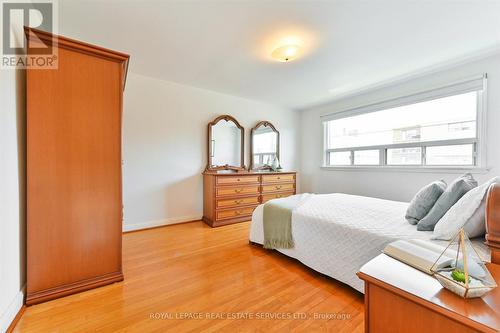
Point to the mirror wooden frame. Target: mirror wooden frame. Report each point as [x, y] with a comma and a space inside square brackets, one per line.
[264, 123]
[211, 167]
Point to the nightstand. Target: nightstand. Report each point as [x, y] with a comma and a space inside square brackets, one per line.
[399, 298]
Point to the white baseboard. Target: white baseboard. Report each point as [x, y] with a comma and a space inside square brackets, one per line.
[11, 312]
[159, 223]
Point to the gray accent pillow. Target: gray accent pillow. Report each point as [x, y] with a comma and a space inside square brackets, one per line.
[424, 200]
[450, 196]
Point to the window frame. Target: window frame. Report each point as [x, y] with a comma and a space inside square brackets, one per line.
[456, 88]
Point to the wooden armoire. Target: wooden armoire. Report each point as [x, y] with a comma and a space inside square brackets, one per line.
[74, 191]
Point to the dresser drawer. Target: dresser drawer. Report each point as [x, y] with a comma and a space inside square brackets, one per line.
[232, 213]
[267, 197]
[224, 203]
[233, 180]
[278, 188]
[278, 178]
[236, 190]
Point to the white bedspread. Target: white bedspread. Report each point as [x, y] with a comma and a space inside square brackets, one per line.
[335, 234]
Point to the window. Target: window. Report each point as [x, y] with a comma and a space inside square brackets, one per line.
[439, 128]
[366, 157]
[340, 157]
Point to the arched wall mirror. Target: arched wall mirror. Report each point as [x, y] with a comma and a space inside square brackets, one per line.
[225, 144]
[264, 146]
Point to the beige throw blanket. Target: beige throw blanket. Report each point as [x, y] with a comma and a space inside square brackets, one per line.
[278, 221]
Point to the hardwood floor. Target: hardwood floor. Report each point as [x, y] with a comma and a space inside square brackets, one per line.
[177, 276]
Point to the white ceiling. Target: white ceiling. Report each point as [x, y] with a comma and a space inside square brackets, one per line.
[225, 45]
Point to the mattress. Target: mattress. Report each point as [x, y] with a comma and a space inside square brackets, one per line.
[335, 234]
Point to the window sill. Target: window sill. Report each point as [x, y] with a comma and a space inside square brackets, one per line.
[423, 169]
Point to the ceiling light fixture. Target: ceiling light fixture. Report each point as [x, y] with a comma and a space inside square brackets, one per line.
[286, 53]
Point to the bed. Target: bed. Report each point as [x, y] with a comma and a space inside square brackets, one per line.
[335, 234]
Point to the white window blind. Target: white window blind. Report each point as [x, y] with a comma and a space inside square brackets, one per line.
[439, 127]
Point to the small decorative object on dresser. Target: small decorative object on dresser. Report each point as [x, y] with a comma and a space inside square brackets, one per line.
[466, 276]
[275, 165]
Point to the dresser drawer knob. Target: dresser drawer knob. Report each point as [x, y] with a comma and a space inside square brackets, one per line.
[238, 179]
[278, 187]
[237, 212]
[238, 201]
[279, 177]
[238, 190]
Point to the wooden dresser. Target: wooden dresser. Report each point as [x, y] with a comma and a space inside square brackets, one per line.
[232, 197]
[399, 298]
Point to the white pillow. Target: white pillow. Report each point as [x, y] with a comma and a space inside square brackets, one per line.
[467, 213]
[476, 224]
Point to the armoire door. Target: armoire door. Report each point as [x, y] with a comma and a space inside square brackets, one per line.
[74, 201]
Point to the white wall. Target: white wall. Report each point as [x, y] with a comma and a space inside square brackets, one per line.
[12, 202]
[12, 189]
[165, 146]
[394, 185]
